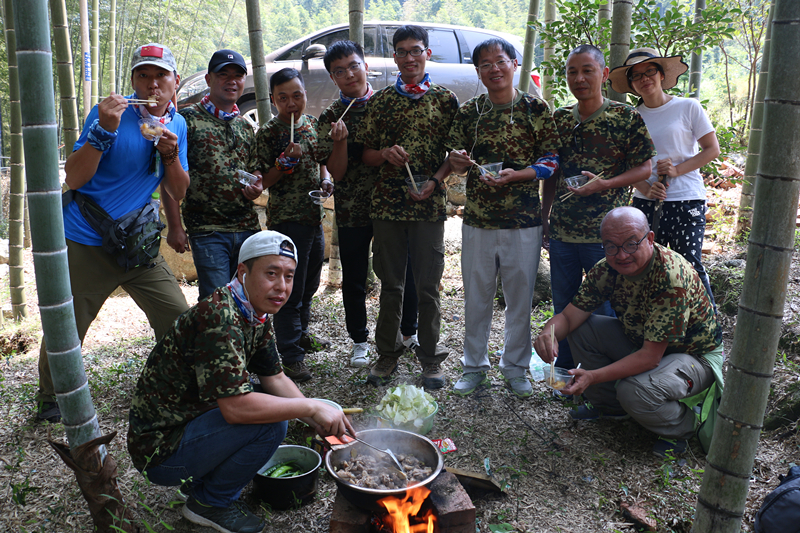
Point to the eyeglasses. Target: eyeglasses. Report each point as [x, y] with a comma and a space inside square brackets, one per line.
[342, 72]
[577, 140]
[414, 52]
[652, 71]
[629, 247]
[503, 63]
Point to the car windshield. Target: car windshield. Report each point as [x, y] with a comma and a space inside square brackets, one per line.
[296, 52]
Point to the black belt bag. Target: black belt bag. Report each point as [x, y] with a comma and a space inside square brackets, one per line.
[133, 240]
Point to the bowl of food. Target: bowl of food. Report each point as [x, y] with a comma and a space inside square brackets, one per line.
[491, 170]
[576, 181]
[289, 478]
[419, 180]
[151, 129]
[559, 378]
[319, 196]
[245, 178]
[407, 407]
[329, 402]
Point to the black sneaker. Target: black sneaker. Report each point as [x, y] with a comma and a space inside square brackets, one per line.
[234, 519]
[48, 412]
[311, 343]
[297, 372]
[666, 448]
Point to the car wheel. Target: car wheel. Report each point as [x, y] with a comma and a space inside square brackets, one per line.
[250, 112]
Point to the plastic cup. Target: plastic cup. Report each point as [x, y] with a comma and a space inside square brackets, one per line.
[576, 181]
[319, 196]
[419, 179]
[491, 170]
[559, 380]
[151, 129]
[245, 178]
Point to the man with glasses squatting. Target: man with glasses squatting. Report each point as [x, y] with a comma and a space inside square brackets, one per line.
[218, 209]
[597, 136]
[502, 230]
[405, 126]
[665, 346]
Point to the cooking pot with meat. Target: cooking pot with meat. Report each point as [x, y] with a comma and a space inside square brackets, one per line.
[364, 476]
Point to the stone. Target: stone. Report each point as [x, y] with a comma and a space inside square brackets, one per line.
[347, 518]
[639, 515]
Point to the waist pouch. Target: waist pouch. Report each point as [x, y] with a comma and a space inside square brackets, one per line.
[133, 239]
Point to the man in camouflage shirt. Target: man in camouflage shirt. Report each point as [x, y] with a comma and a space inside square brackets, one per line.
[502, 230]
[218, 209]
[405, 127]
[665, 345]
[195, 418]
[597, 136]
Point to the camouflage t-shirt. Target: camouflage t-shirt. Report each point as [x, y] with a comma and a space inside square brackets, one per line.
[353, 193]
[216, 150]
[288, 198]
[613, 140]
[420, 127]
[208, 353]
[666, 302]
[517, 144]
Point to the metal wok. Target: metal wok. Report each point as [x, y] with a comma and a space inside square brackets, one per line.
[400, 442]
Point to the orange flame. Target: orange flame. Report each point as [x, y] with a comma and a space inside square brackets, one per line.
[402, 511]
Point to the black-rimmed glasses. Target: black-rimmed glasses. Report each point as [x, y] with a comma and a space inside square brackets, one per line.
[414, 52]
[652, 71]
[577, 140]
[629, 247]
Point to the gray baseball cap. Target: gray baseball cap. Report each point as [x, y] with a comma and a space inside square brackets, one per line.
[267, 242]
[154, 54]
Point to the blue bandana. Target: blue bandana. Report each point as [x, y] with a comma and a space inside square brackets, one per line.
[244, 305]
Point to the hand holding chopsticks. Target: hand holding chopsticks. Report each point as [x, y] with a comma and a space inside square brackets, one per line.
[330, 133]
[137, 101]
[570, 193]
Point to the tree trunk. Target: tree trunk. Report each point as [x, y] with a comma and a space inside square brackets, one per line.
[86, 52]
[257, 58]
[723, 495]
[527, 49]
[112, 47]
[95, 49]
[225, 28]
[549, 49]
[754, 143]
[66, 75]
[96, 470]
[16, 202]
[620, 41]
[163, 36]
[190, 36]
[696, 69]
[357, 22]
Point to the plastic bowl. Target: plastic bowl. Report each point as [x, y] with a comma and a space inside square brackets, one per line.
[561, 377]
[424, 429]
[245, 178]
[576, 181]
[319, 197]
[419, 179]
[491, 170]
[286, 492]
[151, 129]
[329, 402]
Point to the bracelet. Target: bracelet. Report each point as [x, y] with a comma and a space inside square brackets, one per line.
[171, 156]
[98, 138]
[437, 182]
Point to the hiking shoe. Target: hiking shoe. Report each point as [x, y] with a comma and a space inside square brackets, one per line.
[666, 448]
[234, 519]
[432, 376]
[469, 382]
[381, 371]
[311, 343]
[411, 343]
[297, 372]
[360, 354]
[589, 412]
[520, 385]
[48, 412]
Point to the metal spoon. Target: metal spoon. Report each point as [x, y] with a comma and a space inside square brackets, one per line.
[387, 451]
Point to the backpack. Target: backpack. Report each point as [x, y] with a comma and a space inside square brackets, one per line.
[133, 240]
[780, 512]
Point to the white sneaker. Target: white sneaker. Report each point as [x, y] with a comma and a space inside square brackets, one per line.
[412, 342]
[360, 354]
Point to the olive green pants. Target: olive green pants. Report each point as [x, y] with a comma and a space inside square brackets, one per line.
[93, 276]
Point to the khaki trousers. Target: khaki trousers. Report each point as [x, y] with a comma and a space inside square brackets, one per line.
[93, 276]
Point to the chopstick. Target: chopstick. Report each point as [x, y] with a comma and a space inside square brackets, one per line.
[411, 177]
[291, 130]
[137, 101]
[553, 350]
[570, 193]
[343, 114]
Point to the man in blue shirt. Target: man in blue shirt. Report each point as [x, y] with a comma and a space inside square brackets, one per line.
[115, 165]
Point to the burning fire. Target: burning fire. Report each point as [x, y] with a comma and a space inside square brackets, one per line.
[403, 511]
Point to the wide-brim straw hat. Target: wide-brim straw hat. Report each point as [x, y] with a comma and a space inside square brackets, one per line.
[673, 67]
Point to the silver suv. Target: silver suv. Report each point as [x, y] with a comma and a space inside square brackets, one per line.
[450, 65]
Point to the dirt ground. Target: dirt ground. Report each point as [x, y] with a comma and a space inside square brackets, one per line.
[559, 475]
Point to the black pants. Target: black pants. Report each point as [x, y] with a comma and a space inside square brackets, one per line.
[682, 228]
[354, 254]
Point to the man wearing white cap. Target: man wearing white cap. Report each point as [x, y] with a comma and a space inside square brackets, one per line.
[115, 167]
[195, 418]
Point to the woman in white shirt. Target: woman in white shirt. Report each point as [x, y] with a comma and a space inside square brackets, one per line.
[677, 126]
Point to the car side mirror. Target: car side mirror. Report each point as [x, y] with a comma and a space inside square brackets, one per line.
[315, 51]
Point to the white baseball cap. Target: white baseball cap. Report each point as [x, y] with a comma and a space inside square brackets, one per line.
[267, 243]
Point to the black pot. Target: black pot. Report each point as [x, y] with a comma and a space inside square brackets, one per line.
[400, 442]
[287, 492]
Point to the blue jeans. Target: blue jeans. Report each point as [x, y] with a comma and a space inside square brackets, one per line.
[216, 255]
[219, 458]
[568, 262]
[292, 320]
